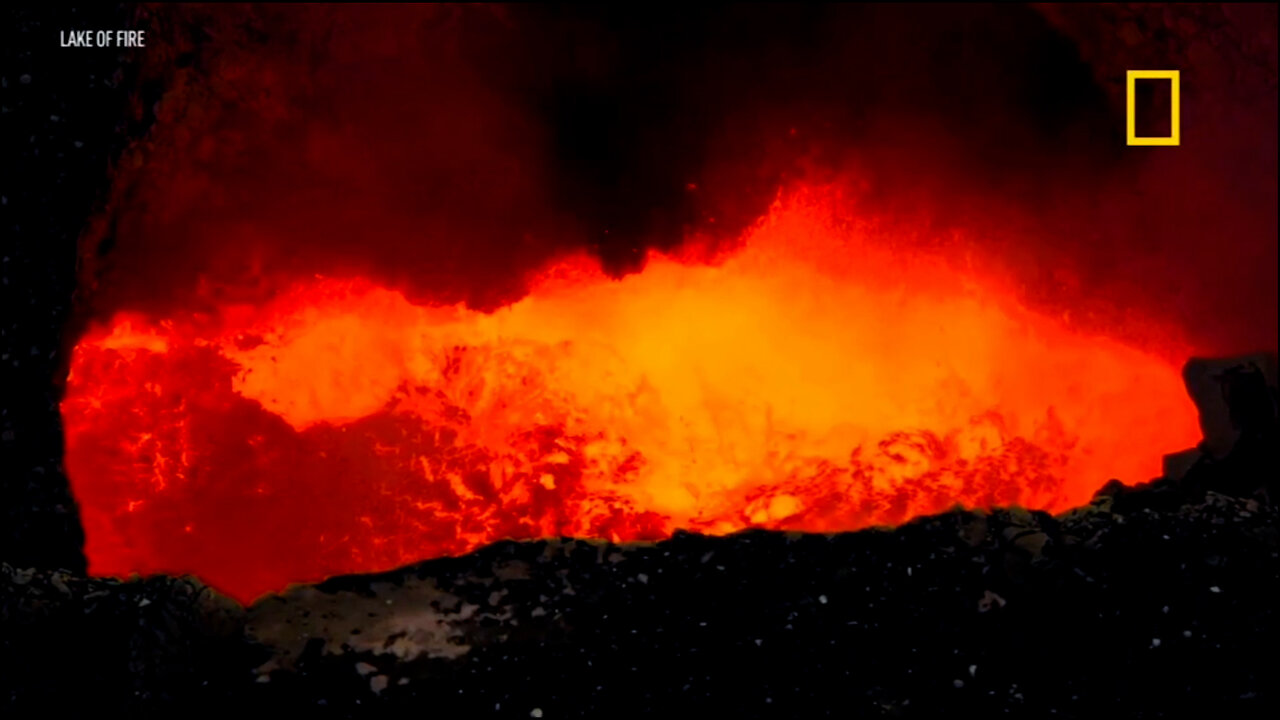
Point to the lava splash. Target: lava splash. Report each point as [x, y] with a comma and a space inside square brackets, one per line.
[815, 377]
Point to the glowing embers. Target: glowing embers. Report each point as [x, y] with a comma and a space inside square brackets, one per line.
[813, 379]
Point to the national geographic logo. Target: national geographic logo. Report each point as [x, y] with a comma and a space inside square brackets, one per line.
[1131, 108]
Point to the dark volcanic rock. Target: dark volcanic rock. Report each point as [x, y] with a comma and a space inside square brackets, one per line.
[1236, 398]
[1145, 613]
[68, 641]
[61, 113]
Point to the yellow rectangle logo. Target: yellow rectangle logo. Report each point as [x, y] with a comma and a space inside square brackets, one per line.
[1131, 121]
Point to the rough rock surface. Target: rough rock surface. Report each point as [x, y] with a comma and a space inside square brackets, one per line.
[1152, 602]
[57, 150]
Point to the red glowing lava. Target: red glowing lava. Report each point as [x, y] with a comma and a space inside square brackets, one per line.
[815, 378]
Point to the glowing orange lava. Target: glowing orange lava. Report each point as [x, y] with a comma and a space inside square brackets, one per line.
[816, 378]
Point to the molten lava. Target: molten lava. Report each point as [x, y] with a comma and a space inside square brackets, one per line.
[818, 377]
